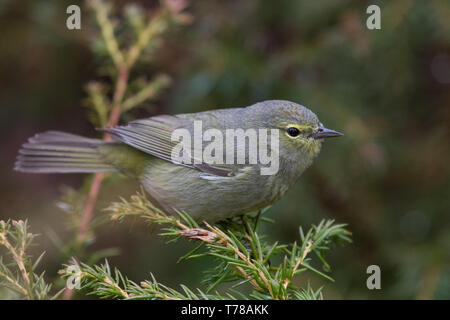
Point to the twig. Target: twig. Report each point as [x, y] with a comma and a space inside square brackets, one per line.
[15, 284]
[17, 256]
[299, 262]
[119, 92]
[113, 120]
[19, 273]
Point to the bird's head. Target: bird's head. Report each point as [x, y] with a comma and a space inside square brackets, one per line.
[300, 132]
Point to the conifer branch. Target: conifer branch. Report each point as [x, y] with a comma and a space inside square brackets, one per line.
[19, 275]
[124, 59]
[243, 256]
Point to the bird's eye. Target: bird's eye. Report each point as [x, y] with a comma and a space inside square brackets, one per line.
[293, 131]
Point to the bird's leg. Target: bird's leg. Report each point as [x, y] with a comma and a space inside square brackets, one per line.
[244, 223]
[245, 241]
[258, 216]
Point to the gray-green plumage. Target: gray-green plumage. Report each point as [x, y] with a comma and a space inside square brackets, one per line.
[207, 191]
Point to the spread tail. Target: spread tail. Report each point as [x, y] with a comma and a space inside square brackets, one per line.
[60, 152]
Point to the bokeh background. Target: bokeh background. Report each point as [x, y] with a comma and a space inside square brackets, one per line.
[387, 90]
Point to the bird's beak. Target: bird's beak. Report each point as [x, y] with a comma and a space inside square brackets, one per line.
[323, 132]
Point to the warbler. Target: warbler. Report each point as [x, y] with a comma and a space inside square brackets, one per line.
[207, 190]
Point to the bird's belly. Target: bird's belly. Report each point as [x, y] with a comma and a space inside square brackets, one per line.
[204, 197]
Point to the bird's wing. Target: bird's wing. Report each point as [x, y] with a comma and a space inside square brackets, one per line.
[153, 136]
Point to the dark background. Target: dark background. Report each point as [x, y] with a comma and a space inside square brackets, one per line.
[387, 90]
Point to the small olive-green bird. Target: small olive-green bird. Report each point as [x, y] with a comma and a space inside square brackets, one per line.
[207, 191]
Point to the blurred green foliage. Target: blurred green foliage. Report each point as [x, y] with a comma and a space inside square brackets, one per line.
[387, 90]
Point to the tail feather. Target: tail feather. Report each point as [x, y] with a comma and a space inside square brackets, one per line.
[60, 152]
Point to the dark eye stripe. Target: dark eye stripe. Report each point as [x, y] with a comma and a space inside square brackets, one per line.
[293, 132]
